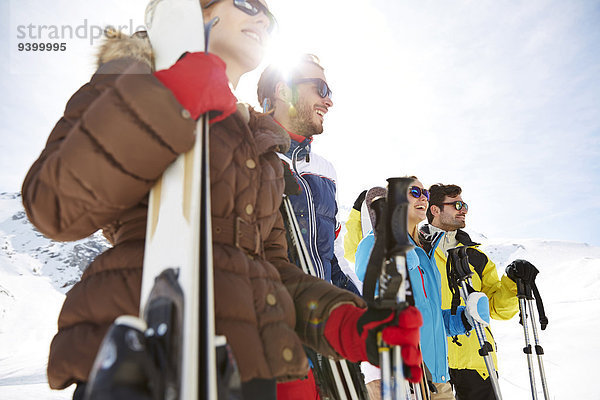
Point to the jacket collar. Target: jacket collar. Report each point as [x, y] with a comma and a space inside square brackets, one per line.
[464, 238]
[299, 144]
[431, 236]
[268, 133]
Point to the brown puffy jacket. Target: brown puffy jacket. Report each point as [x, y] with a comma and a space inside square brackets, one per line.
[118, 134]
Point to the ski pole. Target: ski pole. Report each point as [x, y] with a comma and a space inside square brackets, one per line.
[296, 237]
[382, 270]
[393, 385]
[526, 288]
[461, 272]
[348, 378]
[539, 351]
[395, 279]
[527, 348]
[387, 268]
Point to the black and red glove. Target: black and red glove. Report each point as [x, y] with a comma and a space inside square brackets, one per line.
[522, 269]
[352, 332]
[199, 83]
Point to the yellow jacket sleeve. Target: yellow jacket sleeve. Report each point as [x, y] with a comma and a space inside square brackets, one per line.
[353, 235]
[501, 293]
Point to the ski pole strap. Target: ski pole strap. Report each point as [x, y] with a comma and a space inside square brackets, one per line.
[458, 270]
[462, 269]
[389, 287]
[540, 307]
[452, 283]
[377, 256]
[373, 270]
[486, 349]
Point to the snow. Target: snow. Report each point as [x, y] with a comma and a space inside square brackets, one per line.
[569, 284]
[35, 272]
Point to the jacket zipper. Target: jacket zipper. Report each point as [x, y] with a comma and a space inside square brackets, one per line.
[312, 237]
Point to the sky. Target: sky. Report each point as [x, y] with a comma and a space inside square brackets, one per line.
[501, 98]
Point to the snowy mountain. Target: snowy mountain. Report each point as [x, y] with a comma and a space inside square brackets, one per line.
[35, 272]
[22, 246]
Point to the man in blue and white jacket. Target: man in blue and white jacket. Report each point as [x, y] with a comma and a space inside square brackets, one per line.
[299, 102]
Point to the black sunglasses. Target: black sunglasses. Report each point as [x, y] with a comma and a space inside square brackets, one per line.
[322, 86]
[416, 192]
[251, 7]
[458, 205]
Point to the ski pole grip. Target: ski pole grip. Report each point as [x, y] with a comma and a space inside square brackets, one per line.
[521, 290]
[376, 259]
[465, 270]
[397, 204]
[379, 206]
[459, 262]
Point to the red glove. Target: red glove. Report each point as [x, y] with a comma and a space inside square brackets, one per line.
[199, 83]
[352, 332]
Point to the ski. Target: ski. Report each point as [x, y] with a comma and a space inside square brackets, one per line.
[179, 235]
[169, 352]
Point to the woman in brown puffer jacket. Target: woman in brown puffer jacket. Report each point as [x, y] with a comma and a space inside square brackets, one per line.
[118, 134]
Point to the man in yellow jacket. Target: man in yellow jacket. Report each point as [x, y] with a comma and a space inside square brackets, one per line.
[447, 215]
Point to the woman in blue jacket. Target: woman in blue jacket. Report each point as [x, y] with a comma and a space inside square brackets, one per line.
[425, 282]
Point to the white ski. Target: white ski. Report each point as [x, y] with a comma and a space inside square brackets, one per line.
[179, 231]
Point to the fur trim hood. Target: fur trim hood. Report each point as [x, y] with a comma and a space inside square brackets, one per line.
[117, 45]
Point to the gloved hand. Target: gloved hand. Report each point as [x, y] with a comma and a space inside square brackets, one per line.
[199, 83]
[359, 200]
[352, 332]
[521, 269]
[292, 187]
[477, 309]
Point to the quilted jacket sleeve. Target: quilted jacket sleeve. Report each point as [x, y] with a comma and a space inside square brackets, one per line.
[117, 135]
[314, 298]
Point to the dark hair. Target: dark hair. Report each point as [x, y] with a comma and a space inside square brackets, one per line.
[272, 75]
[437, 194]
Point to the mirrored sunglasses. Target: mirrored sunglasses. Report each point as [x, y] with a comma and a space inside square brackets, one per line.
[458, 205]
[416, 192]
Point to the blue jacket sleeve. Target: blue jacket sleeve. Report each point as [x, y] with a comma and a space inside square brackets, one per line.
[363, 252]
[453, 323]
[341, 280]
